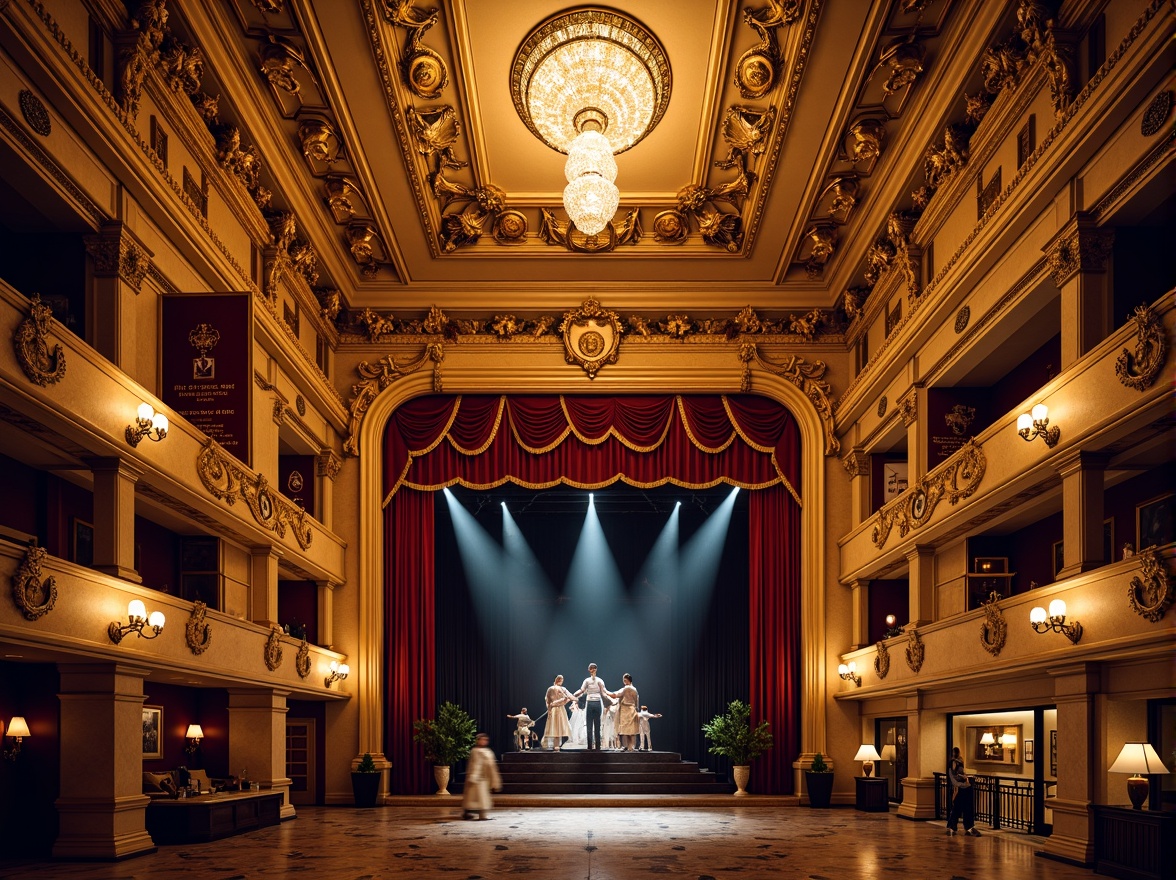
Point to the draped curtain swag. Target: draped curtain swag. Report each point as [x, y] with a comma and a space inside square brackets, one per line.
[591, 442]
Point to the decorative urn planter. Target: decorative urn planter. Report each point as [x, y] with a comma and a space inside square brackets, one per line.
[441, 774]
[742, 773]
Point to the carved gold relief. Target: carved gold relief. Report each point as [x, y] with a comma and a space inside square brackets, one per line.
[35, 114]
[198, 631]
[956, 478]
[115, 254]
[915, 651]
[757, 70]
[807, 326]
[33, 596]
[747, 129]
[423, 70]
[903, 58]
[278, 60]
[328, 465]
[940, 162]
[816, 248]
[591, 336]
[552, 230]
[138, 52]
[434, 132]
[367, 249]
[42, 365]
[227, 481]
[1140, 368]
[320, 142]
[908, 408]
[1153, 120]
[302, 660]
[882, 659]
[1083, 250]
[342, 194]
[994, 629]
[840, 197]
[273, 650]
[864, 141]
[181, 65]
[856, 464]
[805, 376]
[1151, 593]
[377, 377]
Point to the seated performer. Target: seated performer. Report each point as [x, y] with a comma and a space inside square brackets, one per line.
[643, 721]
[523, 732]
[557, 728]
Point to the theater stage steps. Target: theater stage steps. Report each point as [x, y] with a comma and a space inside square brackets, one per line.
[573, 771]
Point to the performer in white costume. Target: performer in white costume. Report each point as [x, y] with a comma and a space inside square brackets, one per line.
[557, 727]
[609, 728]
[523, 733]
[481, 778]
[578, 722]
[643, 723]
[627, 723]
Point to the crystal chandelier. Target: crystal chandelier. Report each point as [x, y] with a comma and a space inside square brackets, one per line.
[577, 76]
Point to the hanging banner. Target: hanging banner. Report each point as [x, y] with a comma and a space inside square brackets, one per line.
[206, 360]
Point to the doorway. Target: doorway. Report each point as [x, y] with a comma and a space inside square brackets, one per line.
[300, 763]
[891, 736]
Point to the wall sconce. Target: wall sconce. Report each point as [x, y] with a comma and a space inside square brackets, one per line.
[148, 423]
[1036, 424]
[1056, 621]
[17, 731]
[867, 754]
[139, 621]
[339, 671]
[849, 673]
[193, 736]
[892, 628]
[1135, 758]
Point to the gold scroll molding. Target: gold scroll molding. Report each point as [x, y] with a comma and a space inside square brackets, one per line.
[42, 365]
[377, 377]
[302, 660]
[591, 337]
[1139, 369]
[956, 478]
[808, 377]
[1150, 592]
[33, 596]
[198, 631]
[273, 650]
[915, 651]
[995, 629]
[882, 661]
[228, 481]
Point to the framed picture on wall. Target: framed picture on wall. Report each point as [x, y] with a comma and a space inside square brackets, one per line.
[1154, 522]
[1053, 754]
[1028, 751]
[1059, 558]
[82, 543]
[153, 731]
[894, 480]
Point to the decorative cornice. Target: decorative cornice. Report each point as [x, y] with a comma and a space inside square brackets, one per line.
[42, 365]
[956, 478]
[994, 629]
[33, 596]
[1151, 593]
[198, 631]
[808, 377]
[378, 376]
[1140, 368]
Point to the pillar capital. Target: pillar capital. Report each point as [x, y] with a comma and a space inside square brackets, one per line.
[117, 254]
[1079, 246]
[856, 463]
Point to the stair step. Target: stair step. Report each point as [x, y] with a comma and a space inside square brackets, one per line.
[578, 771]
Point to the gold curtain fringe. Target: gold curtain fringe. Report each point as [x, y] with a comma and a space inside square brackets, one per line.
[575, 484]
[493, 431]
[690, 433]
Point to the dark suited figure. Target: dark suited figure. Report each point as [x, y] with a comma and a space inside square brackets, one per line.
[594, 692]
[962, 804]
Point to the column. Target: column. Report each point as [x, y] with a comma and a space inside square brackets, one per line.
[1075, 690]
[101, 809]
[114, 517]
[922, 585]
[1077, 259]
[257, 740]
[1082, 511]
[926, 734]
[119, 263]
[859, 592]
[918, 440]
[857, 465]
[326, 469]
[263, 584]
[326, 613]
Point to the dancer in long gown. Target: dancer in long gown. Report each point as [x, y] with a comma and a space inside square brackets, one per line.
[557, 726]
[609, 729]
[579, 723]
[628, 725]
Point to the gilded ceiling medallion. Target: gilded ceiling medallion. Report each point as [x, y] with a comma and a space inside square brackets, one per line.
[757, 71]
[592, 337]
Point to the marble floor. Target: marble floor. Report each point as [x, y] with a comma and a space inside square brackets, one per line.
[611, 843]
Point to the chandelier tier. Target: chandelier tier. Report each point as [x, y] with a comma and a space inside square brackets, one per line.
[577, 75]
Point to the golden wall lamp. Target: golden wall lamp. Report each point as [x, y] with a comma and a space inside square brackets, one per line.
[194, 734]
[339, 671]
[148, 423]
[849, 673]
[139, 622]
[1055, 621]
[18, 729]
[1035, 423]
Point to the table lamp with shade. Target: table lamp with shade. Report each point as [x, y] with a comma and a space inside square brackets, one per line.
[1137, 758]
[867, 754]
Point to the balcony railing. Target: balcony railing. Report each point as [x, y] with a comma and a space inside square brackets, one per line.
[1000, 801]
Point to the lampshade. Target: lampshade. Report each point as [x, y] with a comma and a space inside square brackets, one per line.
[1040, 413]
[344, 670]
[136, 608]
[1024, 422]
[1057, 608]
[18, 727]
[145, 412]
[194, 732]
[1037, 615]
[888, 752]
[867, 752]
[1008, 740]
[156, 619]
[987, 739]
[1138, 758]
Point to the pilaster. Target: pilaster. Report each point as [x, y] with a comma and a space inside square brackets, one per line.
[114, 517]
[257, 740]
[1075, 691]
[922, 584]
[1082, 511]
[859, 592]
[263, 584]
[1077, 259]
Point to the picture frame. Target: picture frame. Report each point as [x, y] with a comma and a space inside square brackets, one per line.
[1155, 522]
[894, 480]
[81, 549]
[1053, 753]
[1059, 558]
[1027, 751]
[990, 565]
[995, 753]
[153, 731]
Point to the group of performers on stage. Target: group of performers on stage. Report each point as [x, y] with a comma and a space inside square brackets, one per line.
[623, 725]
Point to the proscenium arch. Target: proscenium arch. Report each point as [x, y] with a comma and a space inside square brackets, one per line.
[689, 374]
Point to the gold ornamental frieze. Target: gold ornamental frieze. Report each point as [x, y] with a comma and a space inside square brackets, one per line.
[273, 650]
[994, 629]
[34, 596]
[378, 376]
[228, 481]
[1138, 369]
[955, 479]
[198, 631]
[42, 365]
[591, 337]
[808, 377]
[1151, 593]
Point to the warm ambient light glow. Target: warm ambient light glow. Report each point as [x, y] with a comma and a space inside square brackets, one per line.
[339, 671]
[987, 739]
[591, 198]
[849, 672]
[194, 732]
[1137, 758]
[17, 731]
[867, 754]
[138, 622]
[148, 423]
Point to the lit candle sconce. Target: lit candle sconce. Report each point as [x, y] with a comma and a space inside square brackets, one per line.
[139, 623]
[339, 671]
[1035, 423]
[18, 729]
[1055, 621]
[148, 423]
[849, 673]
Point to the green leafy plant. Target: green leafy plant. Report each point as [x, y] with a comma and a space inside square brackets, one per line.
[732, 736]
[366, 764]
[819, 765]
[448, 738]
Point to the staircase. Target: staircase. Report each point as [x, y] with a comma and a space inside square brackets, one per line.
[573, 771]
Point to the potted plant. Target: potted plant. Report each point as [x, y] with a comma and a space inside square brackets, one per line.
[819, 781]
[365, 782]
[446, 740]
[732, 737]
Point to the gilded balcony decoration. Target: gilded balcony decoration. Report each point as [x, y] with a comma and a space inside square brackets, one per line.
[302, 660]
[881, 659]
[1151, 591]
[138, 52]
[181, 65]
[34, 596]
[808, 377]
[1138, 369]
[272, 652]
[955, 479]
[994, 629]
[423, 70]
[807, 326]
[378, 376]
[915, 651]
[42, 365]
[198, 631]
[758, 69]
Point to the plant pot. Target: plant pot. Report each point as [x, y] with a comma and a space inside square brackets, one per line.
[741, 773]
[366, 788]
[820, 788]
[441, 774]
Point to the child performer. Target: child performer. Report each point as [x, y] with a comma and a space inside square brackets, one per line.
[523, 732]
[643, 722]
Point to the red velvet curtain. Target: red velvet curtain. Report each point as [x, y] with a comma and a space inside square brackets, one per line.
[589, 442]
